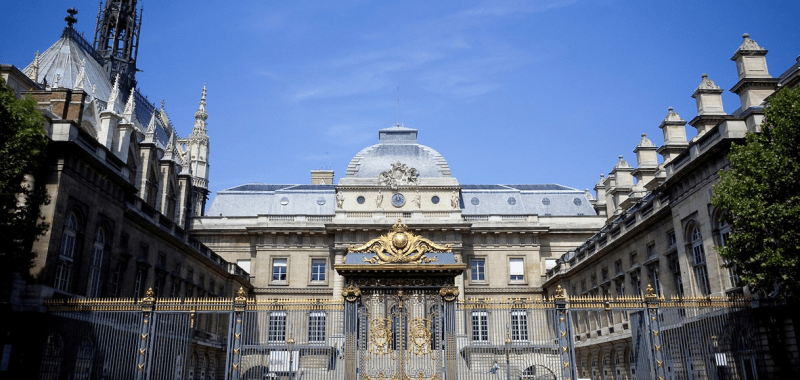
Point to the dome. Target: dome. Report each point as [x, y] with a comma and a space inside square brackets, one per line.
[397, 144]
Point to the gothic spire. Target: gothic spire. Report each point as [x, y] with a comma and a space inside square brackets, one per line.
[34, 73]
[112, 99]
[150, 134]
[130, 106]
[201, 116]
[116, 39]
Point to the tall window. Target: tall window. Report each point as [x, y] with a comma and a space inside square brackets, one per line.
[65, 257]
[724, 235]
[316, 326]
[276, 327]
[478, 269]
[138, 283]
[97, 261]
[516, 269]
[480, 326]
[278, 269]
[84, 360]
[50, 368]
[519, 326]
[318, 270]
[676, 276]
[699, 256]
[654, 276]
[636, 284]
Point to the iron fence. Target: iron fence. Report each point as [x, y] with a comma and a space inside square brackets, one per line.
[403, 334]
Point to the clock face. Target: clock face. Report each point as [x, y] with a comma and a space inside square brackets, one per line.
[398, 200]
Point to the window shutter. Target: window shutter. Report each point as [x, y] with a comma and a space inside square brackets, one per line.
[515, 267]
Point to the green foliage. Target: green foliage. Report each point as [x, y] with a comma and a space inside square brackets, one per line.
[22, 151]
[761, 196]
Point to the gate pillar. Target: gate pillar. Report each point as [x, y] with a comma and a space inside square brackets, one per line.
[566, 345]
[651, 316]
[450, 295]
[235, 339]
[145, 328]
[351, 294]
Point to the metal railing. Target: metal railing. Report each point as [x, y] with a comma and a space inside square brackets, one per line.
[630, 337]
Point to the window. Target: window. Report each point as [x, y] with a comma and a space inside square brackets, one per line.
[244, 264]
[583, 286]
[278, 269]
[618, 266]
[516, 269]
[316, 326]
[176, 287]
[634, 258]
[480, 326]
[676, 276]
[594, 281]
[654, 276]
[651, 250]
[318, 270]
[138, 283]
[636, 284]
[724, 235]
[96, 263]
[64, 269]
[519, 326]
[117, 277]
[604, 273]
[671, 239]
[276, 331]
[478, 269]
[699, 256]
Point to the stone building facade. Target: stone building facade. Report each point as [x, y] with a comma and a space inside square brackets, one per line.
[123, 188]
[291, 236]
[661, 229]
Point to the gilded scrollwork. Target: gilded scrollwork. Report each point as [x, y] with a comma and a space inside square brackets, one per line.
[419, 331]
[380, 336]
[400, 247]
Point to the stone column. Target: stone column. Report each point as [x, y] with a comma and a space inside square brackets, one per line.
[459, 280]
[338, 280]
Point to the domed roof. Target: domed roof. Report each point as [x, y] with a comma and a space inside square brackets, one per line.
[397, 144]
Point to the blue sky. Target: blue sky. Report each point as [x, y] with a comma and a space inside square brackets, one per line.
[548, 91]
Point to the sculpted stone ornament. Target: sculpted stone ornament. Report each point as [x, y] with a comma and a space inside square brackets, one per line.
[399, 174]
[449, 293]
[400, 247]
[339, 200]
[454, 201]
[379, 199]
[351, 293]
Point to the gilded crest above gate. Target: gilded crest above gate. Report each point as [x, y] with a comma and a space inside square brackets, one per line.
[400, 246]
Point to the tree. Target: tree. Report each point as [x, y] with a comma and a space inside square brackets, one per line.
[760, 196]
[23, 141]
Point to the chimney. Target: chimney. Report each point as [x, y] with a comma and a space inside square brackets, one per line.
[322, 177]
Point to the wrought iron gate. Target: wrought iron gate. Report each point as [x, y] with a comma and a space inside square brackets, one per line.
[401, 335]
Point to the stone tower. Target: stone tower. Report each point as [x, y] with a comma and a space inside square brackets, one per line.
[116, 40]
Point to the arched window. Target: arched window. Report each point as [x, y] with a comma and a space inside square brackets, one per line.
[699, 259]
[96, 263]
[51, 357]
[84, 361]
[67, 253]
